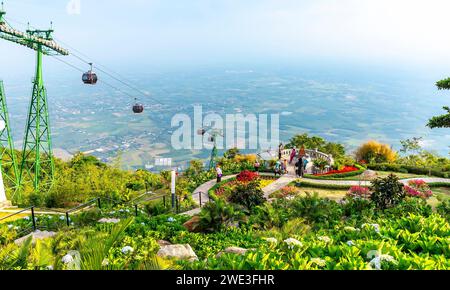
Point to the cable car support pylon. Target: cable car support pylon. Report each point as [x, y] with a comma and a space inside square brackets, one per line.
[36, 165]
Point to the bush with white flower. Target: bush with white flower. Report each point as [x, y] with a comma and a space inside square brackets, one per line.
[325, 239]
[127, 250]
[293, 243]
[319, 262]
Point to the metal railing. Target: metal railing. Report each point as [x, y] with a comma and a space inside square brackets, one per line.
[97, 202]
[33, 218]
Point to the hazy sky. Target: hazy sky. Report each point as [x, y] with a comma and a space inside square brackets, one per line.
[403, 32]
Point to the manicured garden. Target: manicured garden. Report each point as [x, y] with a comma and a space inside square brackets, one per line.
[389, 226]
[305, 225]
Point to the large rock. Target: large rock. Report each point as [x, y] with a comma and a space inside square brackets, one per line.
[37, 235]
[193, 225]
[178, 252]
[109, 221]
[233, 250]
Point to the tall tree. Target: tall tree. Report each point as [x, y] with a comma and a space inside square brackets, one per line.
[442, 121]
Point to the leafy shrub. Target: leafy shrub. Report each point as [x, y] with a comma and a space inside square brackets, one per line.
[360, 209]
[444, 209]
[155, 208]
[7, 234]
[320, 163]
[315, 209]
[268, 216]
[218, 215]
[375, 152]
[400, 168]
[387, 192]
[248, 195]
[411, 205]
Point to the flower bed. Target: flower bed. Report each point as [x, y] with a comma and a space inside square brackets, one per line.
[346, 169]
[418, 188]
[224, 189]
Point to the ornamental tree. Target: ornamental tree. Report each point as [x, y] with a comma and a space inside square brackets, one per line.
[442, 121]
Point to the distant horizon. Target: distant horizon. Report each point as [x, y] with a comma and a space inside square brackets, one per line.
[347, 70]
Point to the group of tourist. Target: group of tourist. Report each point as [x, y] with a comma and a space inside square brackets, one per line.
[281, 165]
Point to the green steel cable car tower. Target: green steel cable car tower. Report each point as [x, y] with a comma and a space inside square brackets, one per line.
[37, 165]
[213, 135]
[8, 164]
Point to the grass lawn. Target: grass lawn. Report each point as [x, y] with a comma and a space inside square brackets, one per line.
[440, 194]
[324, 193]
[16, 217]
[385, 174]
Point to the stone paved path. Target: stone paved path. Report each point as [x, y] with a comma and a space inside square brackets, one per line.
[203, 191]
[278, 185]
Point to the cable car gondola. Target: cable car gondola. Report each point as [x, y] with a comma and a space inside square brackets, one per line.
[90, 78]
[138, 108]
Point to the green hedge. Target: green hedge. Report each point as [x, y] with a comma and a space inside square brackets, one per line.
[439, 184]
[322, 186]
[409, 169]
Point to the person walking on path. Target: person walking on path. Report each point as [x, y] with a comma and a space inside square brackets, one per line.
[293, 154]
[299, 167]
[285, 166]
[305, 165]
[280, 151]
[277, 168]
[219, 174]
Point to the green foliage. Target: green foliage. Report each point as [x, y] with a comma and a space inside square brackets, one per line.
[314, 142]
[218, 215]
[231, 153]
[387, 192]
[444, 209]
[320, 163]
[315, 210]
[411, 145]
[438, 172]
[442, 121]
[412, 242]
[248, 195]
[443, 84]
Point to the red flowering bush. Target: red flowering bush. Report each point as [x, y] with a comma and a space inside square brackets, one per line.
[359, 192]
[346, 169]
[247, 176]
[418, 188]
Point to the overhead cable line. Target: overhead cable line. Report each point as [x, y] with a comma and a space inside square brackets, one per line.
[105, 70]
